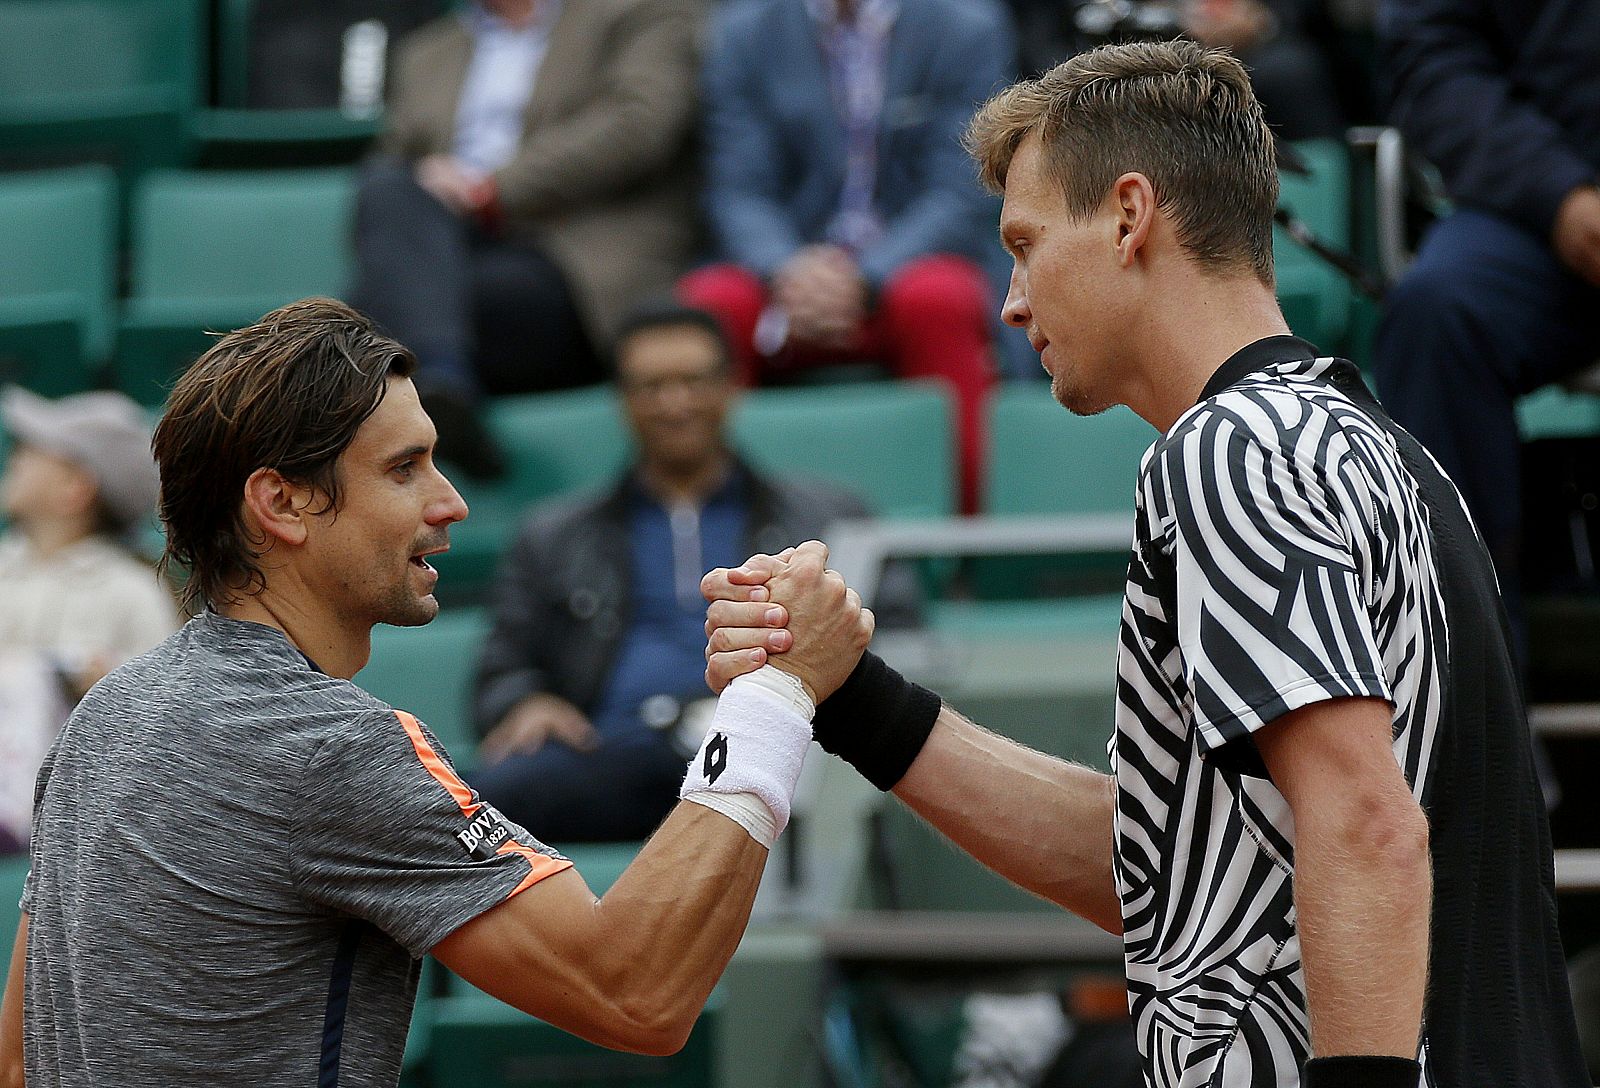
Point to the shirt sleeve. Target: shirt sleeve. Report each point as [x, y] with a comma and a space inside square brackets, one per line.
[1269, 604]
[388, 832]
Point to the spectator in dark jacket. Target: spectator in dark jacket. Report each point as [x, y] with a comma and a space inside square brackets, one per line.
[1504, 97]
[596, 653]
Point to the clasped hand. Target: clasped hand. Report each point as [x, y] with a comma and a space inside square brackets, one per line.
[788, 610]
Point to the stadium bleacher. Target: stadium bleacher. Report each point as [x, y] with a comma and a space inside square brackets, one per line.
[120, 251]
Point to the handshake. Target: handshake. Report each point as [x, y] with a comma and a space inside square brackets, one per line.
[793, 613]
[787, 610]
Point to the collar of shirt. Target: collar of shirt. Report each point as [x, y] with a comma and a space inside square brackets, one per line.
[1257, 356]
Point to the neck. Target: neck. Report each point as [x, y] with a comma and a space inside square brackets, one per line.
[336, 649]
[1182, 347]
[693, 483]
[49, 537]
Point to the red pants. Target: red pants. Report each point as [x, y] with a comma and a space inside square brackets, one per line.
[931, 321]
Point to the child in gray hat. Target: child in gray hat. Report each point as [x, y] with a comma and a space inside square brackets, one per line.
[78, 483]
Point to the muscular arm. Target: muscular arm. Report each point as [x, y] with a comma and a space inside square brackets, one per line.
[11, 1013]
[1362, 881]
[633, 969]
[1038, 821]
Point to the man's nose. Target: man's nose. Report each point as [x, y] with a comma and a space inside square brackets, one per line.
[448, 507]
[1015, 312]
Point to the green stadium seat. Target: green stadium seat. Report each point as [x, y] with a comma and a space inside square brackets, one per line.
[419, 1037]
[57, 276]
[233, 134]
[600, 863]
[13, 874]
[98, 81]
[1553, 412]
[427, 671]
[889, 442]
[1045, 460]
[554, 443]
[1316, 298]
[213, 251]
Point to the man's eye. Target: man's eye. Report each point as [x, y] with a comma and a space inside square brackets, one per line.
[406, 468]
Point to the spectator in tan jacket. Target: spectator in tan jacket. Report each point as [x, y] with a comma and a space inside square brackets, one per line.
[536, 176]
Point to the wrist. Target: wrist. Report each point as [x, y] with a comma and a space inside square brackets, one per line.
[877, 721]
[1362, 1071]
[756, 746]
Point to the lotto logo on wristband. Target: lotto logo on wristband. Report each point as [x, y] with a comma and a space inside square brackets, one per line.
[716, 758]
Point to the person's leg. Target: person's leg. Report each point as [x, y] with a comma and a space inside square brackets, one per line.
[736, 297]
[1485, 314]
[932, 322]
[413, 273]
[618, 792]
[530, 335]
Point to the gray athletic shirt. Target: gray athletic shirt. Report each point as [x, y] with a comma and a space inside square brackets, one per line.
[237, 861]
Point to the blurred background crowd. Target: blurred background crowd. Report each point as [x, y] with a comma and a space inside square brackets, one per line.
[689, 279]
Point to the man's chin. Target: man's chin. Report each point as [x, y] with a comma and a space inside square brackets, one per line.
[1076, 399]
[415, 612]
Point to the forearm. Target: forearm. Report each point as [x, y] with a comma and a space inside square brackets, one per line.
[1362, 902]
[674, 918]
[632, 970]
[1038, 821]
[11, 1013]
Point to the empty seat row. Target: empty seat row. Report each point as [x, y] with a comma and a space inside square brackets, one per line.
[208, 251]
[128, 83]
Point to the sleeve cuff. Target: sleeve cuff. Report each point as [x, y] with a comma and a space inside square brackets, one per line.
[1218, 730]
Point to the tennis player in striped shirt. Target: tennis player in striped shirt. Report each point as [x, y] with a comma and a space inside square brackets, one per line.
[1322, 838]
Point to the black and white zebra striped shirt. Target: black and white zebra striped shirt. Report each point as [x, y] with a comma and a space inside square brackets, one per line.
[1293, 545]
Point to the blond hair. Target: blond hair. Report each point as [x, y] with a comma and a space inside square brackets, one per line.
[1180, 114]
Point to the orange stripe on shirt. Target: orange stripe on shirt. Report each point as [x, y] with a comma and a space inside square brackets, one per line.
[539, 865]
[437, 767]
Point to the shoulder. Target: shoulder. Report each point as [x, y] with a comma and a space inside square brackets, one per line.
[805, 508]
[555, 519]
[1285, 414]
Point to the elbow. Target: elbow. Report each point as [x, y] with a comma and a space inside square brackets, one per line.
[1392, 834]
[653, 1024]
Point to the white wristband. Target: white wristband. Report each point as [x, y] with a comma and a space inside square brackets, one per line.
[756, 745]
[785, 685]
[745, 809]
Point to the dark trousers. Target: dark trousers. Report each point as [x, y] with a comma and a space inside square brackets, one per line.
[619, 792]
[482, 313]
[1485, 314]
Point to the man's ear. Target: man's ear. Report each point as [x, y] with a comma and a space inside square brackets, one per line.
[277, 506]
[1134, 201]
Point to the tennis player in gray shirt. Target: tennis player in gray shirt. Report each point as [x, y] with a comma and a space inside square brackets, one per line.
[239, 856]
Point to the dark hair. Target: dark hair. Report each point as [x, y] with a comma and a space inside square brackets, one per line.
[1181, 114]
[287, 393]
[668, 313]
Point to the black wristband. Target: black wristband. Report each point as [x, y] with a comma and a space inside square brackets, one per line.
[1362, 1071]
[877, 721]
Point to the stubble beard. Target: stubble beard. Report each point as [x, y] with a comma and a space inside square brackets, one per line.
[1074, 397]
